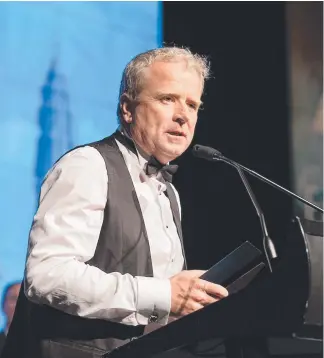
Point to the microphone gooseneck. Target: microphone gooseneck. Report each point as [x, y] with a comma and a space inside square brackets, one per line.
[213, 154]
[208, 153]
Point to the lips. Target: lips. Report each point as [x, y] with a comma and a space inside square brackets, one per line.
[177, 133]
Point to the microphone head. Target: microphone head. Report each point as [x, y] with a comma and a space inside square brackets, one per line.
[201, 151]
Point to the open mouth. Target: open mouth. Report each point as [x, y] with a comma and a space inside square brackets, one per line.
[177, 134]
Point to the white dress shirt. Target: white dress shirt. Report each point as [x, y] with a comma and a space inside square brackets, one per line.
[65, 233]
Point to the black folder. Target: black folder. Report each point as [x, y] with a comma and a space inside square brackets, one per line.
[237, 268]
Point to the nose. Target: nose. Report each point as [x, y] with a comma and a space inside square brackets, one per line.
[181, 120]
[180, 116]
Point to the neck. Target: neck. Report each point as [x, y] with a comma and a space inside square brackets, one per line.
[126, 130]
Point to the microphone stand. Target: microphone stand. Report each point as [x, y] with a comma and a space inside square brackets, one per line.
[266, 180]
[269, 249]
[253, 347]
[208, 153]
[268, 246]
[250, 347]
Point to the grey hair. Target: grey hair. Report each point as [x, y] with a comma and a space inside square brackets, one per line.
[132, 75]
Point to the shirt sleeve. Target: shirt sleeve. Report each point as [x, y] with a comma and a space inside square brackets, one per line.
[64, 236]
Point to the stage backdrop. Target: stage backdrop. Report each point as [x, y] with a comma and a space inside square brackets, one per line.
[60, 68]
[305, 56]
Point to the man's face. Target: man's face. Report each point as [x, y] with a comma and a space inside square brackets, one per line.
[164, 118]
[10, 301]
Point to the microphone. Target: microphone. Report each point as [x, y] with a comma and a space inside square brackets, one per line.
[201, 151]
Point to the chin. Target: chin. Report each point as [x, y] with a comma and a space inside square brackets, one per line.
[170, 151]
[174, 153]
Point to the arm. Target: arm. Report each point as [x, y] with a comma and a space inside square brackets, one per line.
[64, 237]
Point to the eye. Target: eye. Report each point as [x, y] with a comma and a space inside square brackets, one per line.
[167, 99]
[193, 106]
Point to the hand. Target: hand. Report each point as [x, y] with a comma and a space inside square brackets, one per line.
[189, 293]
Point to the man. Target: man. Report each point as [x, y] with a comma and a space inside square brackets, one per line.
[105, 254]
[9, 300]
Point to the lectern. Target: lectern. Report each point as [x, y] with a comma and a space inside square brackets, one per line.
[285, 303]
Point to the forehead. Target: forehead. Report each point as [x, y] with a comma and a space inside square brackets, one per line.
[172, 76]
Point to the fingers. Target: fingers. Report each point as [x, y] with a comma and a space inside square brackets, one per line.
[212, 288]
[188, 305]
[193, 306]
[190, 293]
[202, 297]
[195, 300]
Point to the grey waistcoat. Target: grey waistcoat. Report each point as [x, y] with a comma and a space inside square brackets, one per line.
[39, 331]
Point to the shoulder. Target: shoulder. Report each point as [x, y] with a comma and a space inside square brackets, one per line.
[85, 153]
[79, 164]
[86, 156]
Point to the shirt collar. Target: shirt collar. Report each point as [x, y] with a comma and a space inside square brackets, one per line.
[131, 146]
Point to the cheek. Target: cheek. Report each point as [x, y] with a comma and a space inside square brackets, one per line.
[161, 119]
[192, 125]
[162, 111]
[151, 117]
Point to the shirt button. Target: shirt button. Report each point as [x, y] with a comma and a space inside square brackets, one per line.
[167, 226]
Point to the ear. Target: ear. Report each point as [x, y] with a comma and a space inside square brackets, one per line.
[126, 108]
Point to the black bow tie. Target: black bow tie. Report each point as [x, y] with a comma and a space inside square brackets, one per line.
[153, 166]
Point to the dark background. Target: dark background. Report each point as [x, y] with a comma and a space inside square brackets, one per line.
[245, 116]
